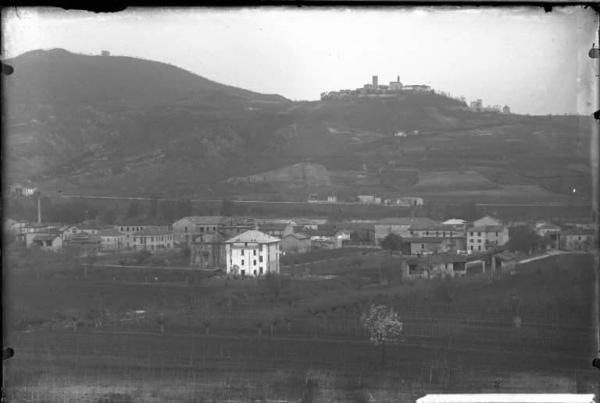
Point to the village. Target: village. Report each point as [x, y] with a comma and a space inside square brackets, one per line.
[251, 246]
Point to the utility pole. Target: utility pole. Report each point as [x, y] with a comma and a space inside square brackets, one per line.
[39, 207]
[595, 165]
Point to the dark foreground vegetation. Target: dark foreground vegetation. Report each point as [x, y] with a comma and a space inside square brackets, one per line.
[165, 335]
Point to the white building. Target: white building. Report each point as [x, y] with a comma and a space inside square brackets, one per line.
[252, 253]
[484, 237]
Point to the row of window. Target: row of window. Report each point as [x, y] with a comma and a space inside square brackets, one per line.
[260, 259]
[143, 239]
[479, 233]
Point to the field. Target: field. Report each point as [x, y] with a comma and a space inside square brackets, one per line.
[296, 337]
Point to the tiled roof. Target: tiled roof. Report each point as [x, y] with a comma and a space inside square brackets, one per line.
[578, 231]
[153, 231]
[487, 228]
[110, 232]
[45, 237]
[253, 236]
[207, 219]
[406, 221]
[297, 235]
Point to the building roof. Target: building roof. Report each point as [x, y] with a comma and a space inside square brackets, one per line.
[487, 228]
[454, 221]
[253, 236]
[206, 219]
[153, 231]
[273, 226]
[406, 221]
[110, 232]
[45, 237]
[297, 235]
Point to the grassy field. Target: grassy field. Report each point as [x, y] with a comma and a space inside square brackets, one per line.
[293, 338]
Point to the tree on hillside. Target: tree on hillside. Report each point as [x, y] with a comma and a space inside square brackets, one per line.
[523, 239]
[384, 327]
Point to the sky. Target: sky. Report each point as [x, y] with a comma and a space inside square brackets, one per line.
[533, 61]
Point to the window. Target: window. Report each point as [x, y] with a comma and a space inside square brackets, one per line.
[471, 233]
[245, 244]
[479, 234]
[471, 247]
[242, 253]
[422, 246]
[242, 262]
[479, 247]
[254, 262]
[260, 270]
[260, 259]
[496, 233]
[254, 252]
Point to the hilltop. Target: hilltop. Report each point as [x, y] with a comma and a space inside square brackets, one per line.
[126, 126]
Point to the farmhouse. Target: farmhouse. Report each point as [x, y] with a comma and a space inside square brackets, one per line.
[485, 237]
[152, 240]
[252, 253]
[295, 243]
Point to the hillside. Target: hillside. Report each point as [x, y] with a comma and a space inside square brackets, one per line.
[125, 126]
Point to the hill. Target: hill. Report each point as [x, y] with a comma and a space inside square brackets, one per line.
[125, 126]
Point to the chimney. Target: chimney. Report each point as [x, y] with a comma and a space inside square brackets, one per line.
[374, 81]
[39, 209]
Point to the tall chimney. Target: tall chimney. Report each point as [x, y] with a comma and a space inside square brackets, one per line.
[374, 81]
[39, 208]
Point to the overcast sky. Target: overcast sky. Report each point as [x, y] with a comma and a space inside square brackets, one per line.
[535, 62]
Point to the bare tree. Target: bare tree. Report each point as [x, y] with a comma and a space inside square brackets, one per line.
[383, 325]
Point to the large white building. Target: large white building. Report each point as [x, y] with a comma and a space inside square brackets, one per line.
[252, 253]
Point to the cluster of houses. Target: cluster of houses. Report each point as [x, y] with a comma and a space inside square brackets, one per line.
[376, 90]
[408, 201]
[252, 247]
[477, 106]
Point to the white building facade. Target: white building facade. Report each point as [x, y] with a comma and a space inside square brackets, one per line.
[486, 237]
[252, 253]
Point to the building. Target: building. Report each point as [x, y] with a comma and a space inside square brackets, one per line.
[85, 243]
[375, 82]
[151, 240]
[207, 251]
[578, 239]
[105, 53]
[476, 106]
[486, 220]
[417, 88]
[419, 246]
[186, 228]
[277, 229]
[395, 85]
[399, 226]
[551, 232]
[368, 199]
[506, 110]
[112, 239]
[435, 266]
[484, 237]
[252, 253]
[295, 243]
[46, 241]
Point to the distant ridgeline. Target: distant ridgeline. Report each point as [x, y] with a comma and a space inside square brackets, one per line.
[374, 89]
